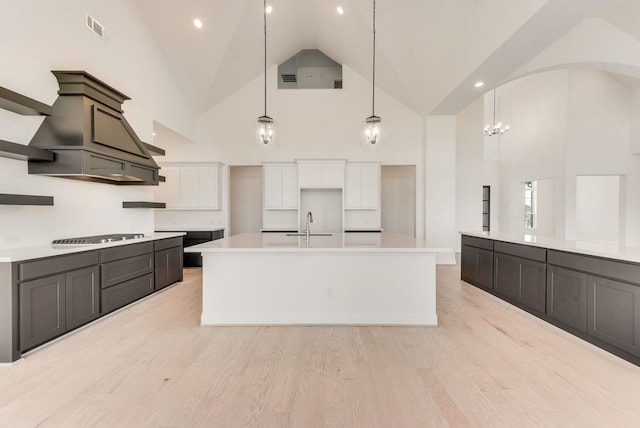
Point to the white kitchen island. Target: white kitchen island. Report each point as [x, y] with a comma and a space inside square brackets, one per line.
[351, 278]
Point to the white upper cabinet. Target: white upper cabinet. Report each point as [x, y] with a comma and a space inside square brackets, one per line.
[362, 186]
[321, 173]
[280, 186]
[190, 186]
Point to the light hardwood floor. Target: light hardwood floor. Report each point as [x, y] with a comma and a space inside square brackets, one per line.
[488, 364]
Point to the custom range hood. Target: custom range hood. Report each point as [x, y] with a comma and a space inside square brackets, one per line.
[90, 137]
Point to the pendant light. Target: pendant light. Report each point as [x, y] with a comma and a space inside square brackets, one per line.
[266, 125]
[495, 128]
[372, 123]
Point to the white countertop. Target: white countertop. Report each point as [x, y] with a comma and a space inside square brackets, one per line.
[280, 242]
[599, 249]
[184, 228]
[17, 254]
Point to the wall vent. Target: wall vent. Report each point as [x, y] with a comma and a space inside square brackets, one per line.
[95, 27]
[289, 78]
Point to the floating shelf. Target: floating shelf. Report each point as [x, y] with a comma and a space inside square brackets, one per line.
[154, 150]
[142, 204]
[7, 199]
[20, 104]
[22, 152]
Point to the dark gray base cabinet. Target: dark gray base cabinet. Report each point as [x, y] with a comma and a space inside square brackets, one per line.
[126, 292]
[521, 280]
[168, 267]
[477, 266]
[51, 306]
[613, 313]
[567, 297]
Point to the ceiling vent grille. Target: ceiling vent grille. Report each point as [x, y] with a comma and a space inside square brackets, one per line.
[95, 27]
[289, 78]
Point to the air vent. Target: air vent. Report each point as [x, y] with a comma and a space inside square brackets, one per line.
[95, 26]
[289, 78]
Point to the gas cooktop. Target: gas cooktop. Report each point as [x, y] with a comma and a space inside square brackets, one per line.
[98, 239]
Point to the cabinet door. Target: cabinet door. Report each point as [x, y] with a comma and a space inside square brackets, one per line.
[370, 186]
[42, 310]
[532, 284]
[272, 187]
[477, 266]
[208, 195]
[352, 187]
[614, 313]
[567, 297]
[290, 187]
[169, 191]
[468, 264]
[189, 187]
[168, 267]
[506, 275]
[82, 291]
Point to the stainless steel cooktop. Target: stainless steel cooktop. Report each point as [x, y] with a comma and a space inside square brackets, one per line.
[98, 239]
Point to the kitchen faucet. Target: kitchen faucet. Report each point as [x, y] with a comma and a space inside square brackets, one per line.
[309, 221]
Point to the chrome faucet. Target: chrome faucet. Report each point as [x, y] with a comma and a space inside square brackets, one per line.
[309, 221]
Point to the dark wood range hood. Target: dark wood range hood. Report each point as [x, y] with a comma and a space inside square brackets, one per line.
[90, 137]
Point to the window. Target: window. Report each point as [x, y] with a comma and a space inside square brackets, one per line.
[486, 208]
[530, 195]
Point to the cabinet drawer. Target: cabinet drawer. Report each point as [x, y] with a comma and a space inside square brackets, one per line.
[124, 251]
[208, 235]
[524, 251]
[55, 265]
[472, 241]
[602, 267]
[163, 244]
[122, 294]
[123, 270]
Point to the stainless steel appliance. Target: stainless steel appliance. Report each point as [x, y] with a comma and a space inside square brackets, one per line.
[97, 239]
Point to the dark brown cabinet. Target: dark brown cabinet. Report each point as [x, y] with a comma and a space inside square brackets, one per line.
[477, 261]
[42, 310]
[127, 275]
[613, 313]
[55, 304]
[168, 262]
[82, 293]
[567, 297]
[520, 274]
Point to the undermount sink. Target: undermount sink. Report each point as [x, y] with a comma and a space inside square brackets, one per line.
[311, 234]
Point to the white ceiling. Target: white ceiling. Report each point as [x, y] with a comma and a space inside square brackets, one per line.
[429, 52]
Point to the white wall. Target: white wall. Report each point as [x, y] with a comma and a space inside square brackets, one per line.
[598, 208]
[469, 168]
[40, 36]
[321, 124]
[440, 165]
[564, 124]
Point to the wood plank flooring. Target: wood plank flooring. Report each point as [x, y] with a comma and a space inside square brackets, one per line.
[488, 364]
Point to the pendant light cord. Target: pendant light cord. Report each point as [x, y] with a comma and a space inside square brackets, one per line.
[494, 108]
[264, 10]
[373, 89]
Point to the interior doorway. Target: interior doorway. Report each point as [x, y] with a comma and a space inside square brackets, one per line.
[399, 199]
[245, 199]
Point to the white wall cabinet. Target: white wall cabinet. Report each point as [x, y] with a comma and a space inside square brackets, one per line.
[362, 186]
[280, 186]
[190, 186]
[322, 174]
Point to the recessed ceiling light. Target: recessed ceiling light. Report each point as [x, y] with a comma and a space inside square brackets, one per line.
[197, 23]
[340, 10]
[269, 9]
[479, 84]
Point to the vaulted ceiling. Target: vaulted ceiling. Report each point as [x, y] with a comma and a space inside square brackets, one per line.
[429, 52]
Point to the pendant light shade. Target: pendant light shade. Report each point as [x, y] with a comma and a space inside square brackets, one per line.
[266, 125]
[372, 124]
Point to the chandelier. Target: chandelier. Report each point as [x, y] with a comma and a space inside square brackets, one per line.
[266, 125]
[495, 128]
[372, 123]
